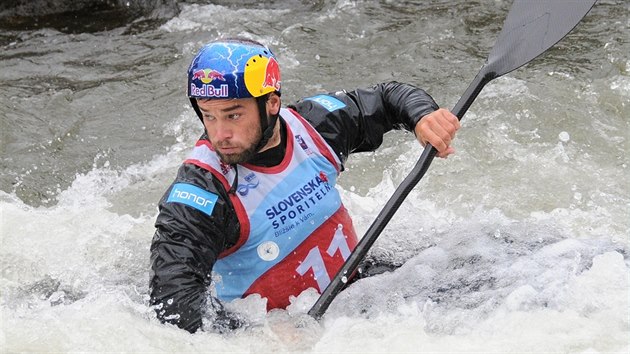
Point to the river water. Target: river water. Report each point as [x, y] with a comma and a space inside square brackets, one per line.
[518, 243]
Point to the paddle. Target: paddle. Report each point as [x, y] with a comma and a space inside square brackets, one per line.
[531, 27]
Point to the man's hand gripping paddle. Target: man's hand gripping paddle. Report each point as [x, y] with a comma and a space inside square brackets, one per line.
[531, 27]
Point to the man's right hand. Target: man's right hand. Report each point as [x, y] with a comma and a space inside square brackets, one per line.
[438, 128]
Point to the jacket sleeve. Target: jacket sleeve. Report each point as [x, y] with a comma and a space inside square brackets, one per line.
[185, 246]
[355, 121]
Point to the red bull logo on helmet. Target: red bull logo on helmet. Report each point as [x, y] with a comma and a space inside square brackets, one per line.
[206, 89]
[272, 75]
[262, 75]
[206, 76]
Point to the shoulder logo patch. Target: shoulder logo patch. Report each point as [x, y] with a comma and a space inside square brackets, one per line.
[328, 102]
[193, 196]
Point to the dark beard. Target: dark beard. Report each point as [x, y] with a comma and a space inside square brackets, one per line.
[239, 158]
[246, 155]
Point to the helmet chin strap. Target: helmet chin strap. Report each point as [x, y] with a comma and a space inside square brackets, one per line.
[193, 102]
[267, 123]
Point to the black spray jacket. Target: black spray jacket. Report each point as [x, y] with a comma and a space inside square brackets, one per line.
[187, 242]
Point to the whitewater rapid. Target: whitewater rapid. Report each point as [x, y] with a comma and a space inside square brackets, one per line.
[517, 243]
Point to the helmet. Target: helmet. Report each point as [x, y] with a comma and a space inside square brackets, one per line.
[233, 68]
[236, 68]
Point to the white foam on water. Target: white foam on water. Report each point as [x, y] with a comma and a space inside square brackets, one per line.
[474, 279]
[74, 278]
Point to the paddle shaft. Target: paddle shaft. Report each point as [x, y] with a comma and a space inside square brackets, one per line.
[392, 205]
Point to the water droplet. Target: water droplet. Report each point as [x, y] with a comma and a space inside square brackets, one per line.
[564, 137]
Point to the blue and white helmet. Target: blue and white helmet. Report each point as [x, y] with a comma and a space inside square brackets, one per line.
[233, 68]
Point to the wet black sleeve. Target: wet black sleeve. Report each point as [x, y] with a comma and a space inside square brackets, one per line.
[355, 121]
[184, 249]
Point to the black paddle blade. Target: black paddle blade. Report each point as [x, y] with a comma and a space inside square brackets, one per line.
[532, 27]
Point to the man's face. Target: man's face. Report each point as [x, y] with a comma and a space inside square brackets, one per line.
[233, 127]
